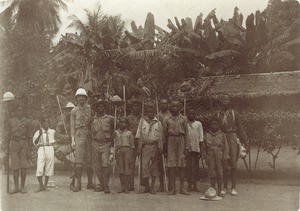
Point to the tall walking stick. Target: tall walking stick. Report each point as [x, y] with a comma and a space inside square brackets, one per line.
[162, 156]
[124, 99]
[141, 144]
[115, 128]
[8, 166]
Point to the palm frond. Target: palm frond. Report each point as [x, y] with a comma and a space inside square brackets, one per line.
[76, 23]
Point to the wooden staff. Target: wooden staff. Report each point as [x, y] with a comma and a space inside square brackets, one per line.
[141, 144]
[124, 99]
[184, 105]
[115, 128]
[162, 156]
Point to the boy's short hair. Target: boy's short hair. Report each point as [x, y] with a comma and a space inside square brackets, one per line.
[123, 119]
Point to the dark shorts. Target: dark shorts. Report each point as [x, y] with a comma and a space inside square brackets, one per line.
[124, 159]
[19, 155]
[83, 147]
[176, 148]
[233, 149]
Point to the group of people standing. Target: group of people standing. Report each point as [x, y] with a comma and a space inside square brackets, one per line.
[163, 142]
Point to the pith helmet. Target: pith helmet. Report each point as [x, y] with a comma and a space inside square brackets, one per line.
[70, 105]
[8, 96]
[116, 100]
[81, 91]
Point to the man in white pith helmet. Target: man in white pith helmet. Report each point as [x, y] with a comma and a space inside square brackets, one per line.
[81, 119]
[63, 137]
[6, 104]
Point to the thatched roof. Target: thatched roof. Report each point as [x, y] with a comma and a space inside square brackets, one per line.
[254, 85]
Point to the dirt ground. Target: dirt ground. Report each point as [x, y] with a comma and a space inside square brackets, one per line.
[265, 190]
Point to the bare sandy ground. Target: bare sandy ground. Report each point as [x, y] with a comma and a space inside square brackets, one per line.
[266, 190]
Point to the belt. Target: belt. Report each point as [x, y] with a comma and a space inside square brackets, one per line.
[176, 135]
[99, 141]
[153, 143]
[47, 145]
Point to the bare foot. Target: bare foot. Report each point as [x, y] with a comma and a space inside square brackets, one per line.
[41, 189]
[23, 190]
[14, 191]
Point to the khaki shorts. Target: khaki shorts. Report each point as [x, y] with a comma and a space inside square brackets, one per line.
[101, 155]
[18, 155]
[233, 149]
[149, 161]
[83, 147]
[176, 148]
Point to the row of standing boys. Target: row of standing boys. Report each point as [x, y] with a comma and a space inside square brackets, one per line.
[165, 143]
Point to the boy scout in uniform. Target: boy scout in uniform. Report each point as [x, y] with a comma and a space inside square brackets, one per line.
[196, 141]
[150, 135]
[133, 123]
[232, 126]
[20, 136]
[216, 150]
[124, 141]
[81, 139]
[102, 133]
[62, 144]
[176, 133]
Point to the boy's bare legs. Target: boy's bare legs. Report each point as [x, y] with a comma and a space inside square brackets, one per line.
[16, 181]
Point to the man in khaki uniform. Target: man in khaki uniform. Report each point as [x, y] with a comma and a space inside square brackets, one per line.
[81, 119]
[102, 133]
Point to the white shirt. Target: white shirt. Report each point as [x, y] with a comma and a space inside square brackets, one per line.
[43, 137]
[195, 135]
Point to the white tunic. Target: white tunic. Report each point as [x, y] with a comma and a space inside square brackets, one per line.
[45, 152]
[195, 135]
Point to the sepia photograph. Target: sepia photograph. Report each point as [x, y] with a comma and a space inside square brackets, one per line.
[149, 105]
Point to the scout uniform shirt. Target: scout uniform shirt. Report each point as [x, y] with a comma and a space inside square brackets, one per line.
[216, 143]
[102, 128]
[80, 118]
[230, 123]
[124, 139]
[150, 131]
[177, 126]
[19, 129]
[195, 135]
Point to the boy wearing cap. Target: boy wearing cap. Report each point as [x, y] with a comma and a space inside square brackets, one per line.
[81, 119]
[133, 123]
[195, 135]
[150, 135]
[62, 136]
[19, 130]
[217, 150]
[124, 145]
[43, 139]
[102, 133]
[176, 133]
